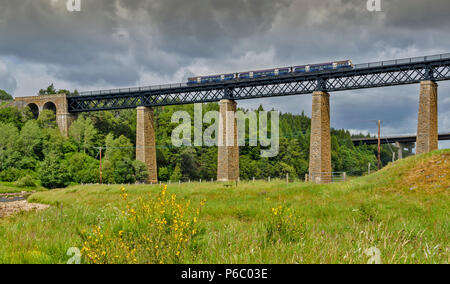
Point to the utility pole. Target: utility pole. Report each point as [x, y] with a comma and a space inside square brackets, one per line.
[379, 144]
[101, 181]
[101, 173]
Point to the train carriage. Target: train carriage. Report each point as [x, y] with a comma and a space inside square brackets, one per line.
[245, 75]
[194, 80]
[284, 71]
[300, 69]
[346, 64]
[321, 67]
[337, 65]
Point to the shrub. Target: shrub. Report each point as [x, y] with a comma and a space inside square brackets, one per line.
[140, 171]
[10, 175]
[124, 171]
[282, 226]
[54, 173]
[26, 181]
[156, 231]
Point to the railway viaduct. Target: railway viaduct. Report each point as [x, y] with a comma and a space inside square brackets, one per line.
[426, 71]
[56, 103]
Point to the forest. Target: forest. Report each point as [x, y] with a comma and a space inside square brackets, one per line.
[33, 152]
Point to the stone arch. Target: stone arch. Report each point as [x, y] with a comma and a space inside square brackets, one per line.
[50, 106]
[34, 110]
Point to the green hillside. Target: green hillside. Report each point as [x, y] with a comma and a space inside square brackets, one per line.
[402, 210]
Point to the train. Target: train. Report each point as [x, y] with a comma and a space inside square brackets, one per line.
[337, 65]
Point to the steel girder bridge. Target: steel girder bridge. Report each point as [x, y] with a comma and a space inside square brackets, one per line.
[362, 76]
[394, 139]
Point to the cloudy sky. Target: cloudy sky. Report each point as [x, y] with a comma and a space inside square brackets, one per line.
[123, 43]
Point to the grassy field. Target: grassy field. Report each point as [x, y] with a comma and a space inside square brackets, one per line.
[10, 187]
[403, 211]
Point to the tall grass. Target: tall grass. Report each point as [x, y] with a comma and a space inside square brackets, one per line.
[253, 223]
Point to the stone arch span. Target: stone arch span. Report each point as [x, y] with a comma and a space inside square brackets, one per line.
[34, 110]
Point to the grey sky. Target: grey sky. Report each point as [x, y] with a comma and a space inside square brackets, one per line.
[122, 43]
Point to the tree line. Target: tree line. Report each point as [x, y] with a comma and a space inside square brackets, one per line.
[32, 151]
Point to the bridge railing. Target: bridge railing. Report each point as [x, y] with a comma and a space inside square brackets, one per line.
[134, 89]
[356, 66]
[403, 61]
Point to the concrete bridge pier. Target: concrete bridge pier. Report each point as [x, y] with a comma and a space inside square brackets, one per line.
[228, 152]
[320, 151]
[145, 142]
[64, 120]
[427, 129]
[402, 146]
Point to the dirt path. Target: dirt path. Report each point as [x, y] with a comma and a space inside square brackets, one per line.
[13, 203]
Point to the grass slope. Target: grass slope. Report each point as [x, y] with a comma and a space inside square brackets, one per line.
[402, 210]
[10, 187]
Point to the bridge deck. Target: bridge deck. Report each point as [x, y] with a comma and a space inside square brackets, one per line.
[394, 139]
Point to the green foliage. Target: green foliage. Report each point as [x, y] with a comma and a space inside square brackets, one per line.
[31, 140]
[25, 143]
[119, 160]
[153, 230]
[176, 175]
[283, 226]
[335, 223]
[26, 181]
[83, 168]
[53, 172]
[163, 174]
[124, 171]
[12, 115]
[10, 174]
[4, 96]
[47, 119]
[140, 171]
[83, 132]
[49, 91]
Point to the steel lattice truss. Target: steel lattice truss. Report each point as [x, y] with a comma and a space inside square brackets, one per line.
[328, 81]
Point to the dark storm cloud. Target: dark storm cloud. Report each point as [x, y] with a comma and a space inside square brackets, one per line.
[120, 43]
[151, 35]
[7, 81]
[126, 37]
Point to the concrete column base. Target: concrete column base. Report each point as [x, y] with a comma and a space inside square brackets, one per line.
[64, 121]
[400, 147]
[145, 142]
[228, 152]
[427, 129]
[320, 151]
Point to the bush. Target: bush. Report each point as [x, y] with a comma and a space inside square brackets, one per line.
[4, 96]
[163, 174]
[154, 231]
[176, 175]
[140, 171]
[26, 181]
[124, 172]
[282, 226]
[83, 168]
[54, 173]
[10, 175]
